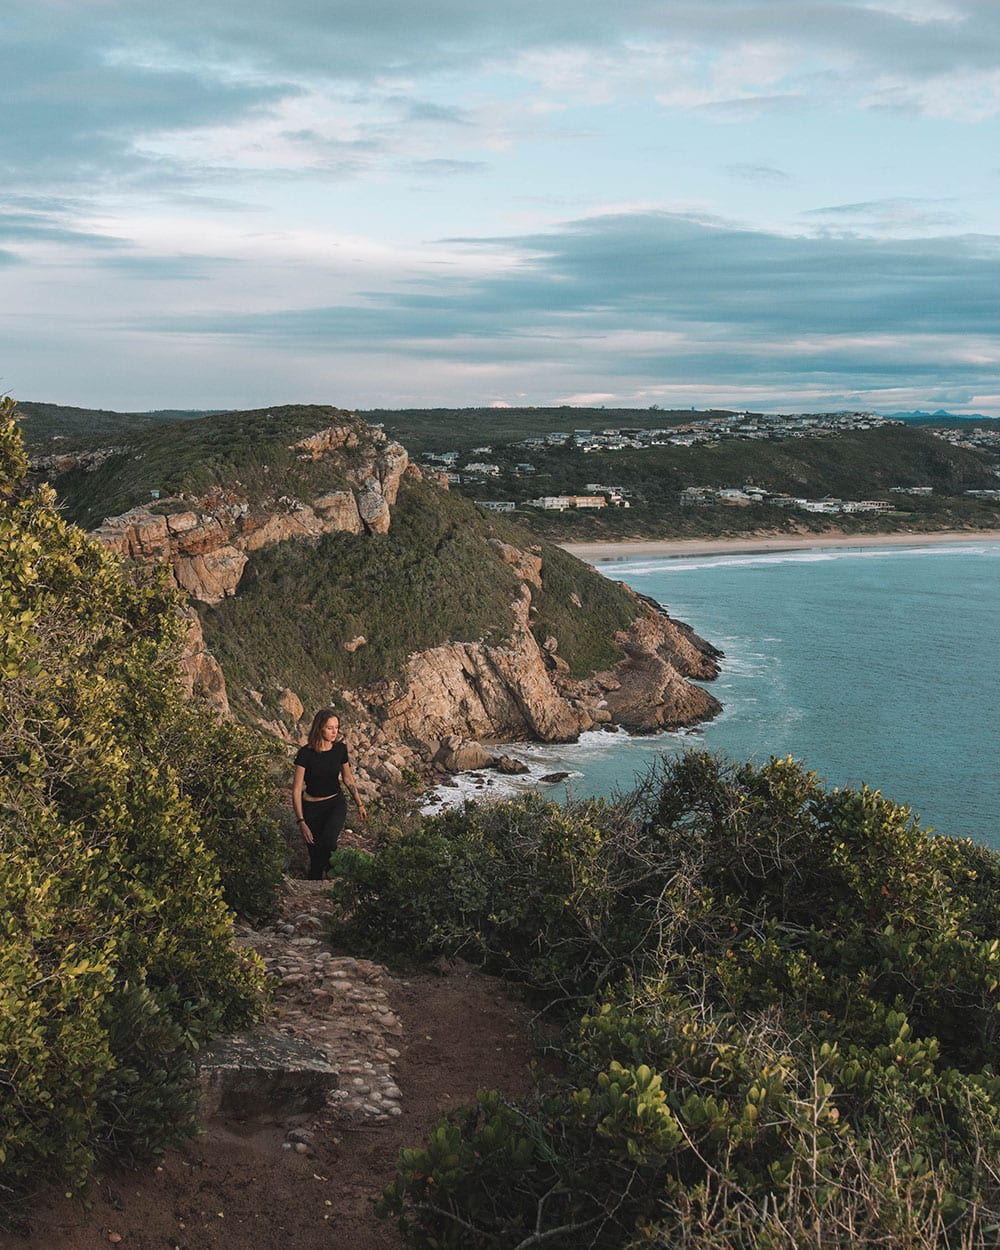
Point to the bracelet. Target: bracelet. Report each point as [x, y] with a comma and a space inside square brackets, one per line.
[300, 820]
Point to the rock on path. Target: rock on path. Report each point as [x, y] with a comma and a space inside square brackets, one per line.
[336, 1003]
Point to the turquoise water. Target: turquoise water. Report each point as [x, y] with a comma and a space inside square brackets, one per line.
[871, 665]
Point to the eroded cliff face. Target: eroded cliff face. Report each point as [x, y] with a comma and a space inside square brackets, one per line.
[207, 542]
[522, 691]
[450, 699]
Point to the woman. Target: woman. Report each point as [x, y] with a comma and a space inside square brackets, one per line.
[317, 799]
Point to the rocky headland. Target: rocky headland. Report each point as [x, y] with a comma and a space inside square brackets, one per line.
[450, 701]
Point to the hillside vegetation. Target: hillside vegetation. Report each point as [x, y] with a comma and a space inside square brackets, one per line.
[434, 578]
[129, 818]
[47, 425]
[249, 453]
[778, 1006]
[178, 454]
[855, 465]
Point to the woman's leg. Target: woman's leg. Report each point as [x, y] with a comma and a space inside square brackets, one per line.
[325, 821]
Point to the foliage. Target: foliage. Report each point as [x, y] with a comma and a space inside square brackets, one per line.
[228, 775]
[581, 610]
[249, 452]
[433, 579]
[859, 464]
[787, 1017]
[47, 427]
[117, 958]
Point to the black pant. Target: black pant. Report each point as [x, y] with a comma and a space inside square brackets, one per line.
[325, 820]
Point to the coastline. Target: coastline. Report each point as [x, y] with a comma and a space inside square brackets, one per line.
[638, 548]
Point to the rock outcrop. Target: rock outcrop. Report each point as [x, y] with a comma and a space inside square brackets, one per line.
[477, 690]
[207, 544]
[451, 698]
[522, 691]
[201, 670]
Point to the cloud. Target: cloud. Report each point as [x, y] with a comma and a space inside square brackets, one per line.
[654, 297]
[757, 173]
[892, 215]
[89, 85]
[440, 167]
[49, 227]
[172, 268]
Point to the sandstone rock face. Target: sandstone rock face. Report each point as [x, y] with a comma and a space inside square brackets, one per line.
[477, 690]
[521, 691]
[509, 766]
[339, 510]
[373, 508]
[649, 690]
[458, 756]
[318, 445]
[201, 671]
[526, 564]
[290, 703]
[391, 466]
[207, 545]
[212, 576]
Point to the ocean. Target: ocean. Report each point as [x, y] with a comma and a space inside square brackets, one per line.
[871, 665]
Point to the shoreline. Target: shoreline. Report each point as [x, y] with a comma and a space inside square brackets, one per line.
[637, 548]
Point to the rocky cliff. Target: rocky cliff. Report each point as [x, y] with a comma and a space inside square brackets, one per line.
[447, 699]
[208, 541]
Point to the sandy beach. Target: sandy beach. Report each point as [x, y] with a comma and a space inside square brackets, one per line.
[595, 553]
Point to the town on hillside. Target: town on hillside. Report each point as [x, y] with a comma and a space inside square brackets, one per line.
[493, 464]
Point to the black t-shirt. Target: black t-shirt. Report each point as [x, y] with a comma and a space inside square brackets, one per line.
[322, 769]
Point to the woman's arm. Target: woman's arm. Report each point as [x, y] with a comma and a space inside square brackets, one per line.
[352, 785]
[298, 784]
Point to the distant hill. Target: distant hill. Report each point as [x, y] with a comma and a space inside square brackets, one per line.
[172, 452]
[430, 429]
[43, 423]
[941, 418]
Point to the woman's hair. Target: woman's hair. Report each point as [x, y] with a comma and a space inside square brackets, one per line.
[316, 728]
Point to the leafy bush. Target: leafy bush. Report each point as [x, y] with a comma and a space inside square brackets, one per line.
[787, 1016]
[117, 958]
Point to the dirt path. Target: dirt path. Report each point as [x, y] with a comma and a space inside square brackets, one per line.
[234, 1188]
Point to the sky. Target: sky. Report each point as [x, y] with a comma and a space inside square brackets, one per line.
[780, 205]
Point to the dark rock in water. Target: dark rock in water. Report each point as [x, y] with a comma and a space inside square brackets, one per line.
[552, 778]
[507, 764]
[447, 781]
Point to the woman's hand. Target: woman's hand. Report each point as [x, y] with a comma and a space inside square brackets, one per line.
[361, 809]
[306, 833]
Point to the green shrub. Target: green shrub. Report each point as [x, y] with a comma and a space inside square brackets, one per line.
[789, 1017]
[117, 958]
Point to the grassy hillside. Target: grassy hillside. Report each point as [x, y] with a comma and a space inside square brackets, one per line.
[433, 578]
[440, 429]
[44, 423]
[249, 452]
[852, 465]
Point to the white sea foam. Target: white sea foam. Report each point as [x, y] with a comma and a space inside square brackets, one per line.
[574, 759]
[657, 565]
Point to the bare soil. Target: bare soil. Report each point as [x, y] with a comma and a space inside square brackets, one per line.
[236, 1187]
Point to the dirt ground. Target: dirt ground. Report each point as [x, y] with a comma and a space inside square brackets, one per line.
[237, 1188]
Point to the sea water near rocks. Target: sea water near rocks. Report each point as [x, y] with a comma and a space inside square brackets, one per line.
[874, 665]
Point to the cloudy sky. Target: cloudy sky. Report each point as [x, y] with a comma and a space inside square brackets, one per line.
[770, 204]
